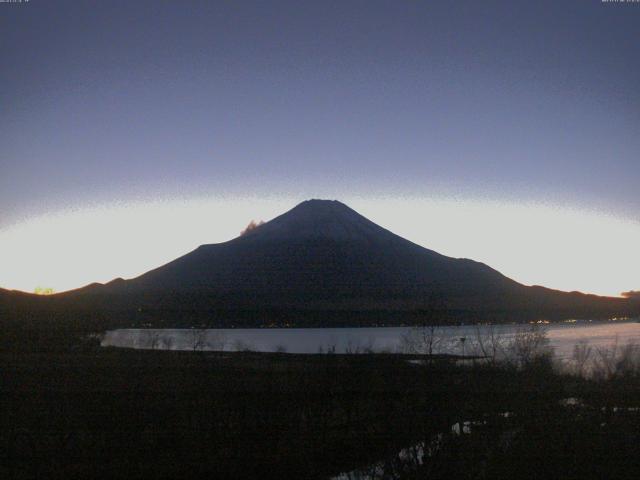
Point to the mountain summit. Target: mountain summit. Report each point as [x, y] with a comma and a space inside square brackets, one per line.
[322, 263]
[318, 219]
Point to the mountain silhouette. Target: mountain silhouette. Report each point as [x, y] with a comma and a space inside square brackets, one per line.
[323, 254]
[322, 263]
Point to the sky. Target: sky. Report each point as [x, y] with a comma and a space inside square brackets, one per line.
[507, 132]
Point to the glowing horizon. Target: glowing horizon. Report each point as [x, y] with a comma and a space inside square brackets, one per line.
[561, 248]
[448, 144]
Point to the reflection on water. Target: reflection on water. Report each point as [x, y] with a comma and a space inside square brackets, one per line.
[562, 338]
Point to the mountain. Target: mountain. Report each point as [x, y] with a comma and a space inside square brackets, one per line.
[319, 253]
[322, 263]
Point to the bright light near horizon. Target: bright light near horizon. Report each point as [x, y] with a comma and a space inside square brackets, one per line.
[72, 249]
[558, 248]
[565, 249]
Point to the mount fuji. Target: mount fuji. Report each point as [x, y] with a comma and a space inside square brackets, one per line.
[323, 264]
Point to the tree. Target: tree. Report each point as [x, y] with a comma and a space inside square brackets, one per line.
[582, 353]
[429, 337]
[423, 340]
[150, 339]
[489, 343]
[199, 339]
[529, 344]
[167, 342]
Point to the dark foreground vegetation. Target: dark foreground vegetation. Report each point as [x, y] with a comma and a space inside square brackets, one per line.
[108, 413]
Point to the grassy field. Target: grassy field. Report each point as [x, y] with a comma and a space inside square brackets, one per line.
[105, 413]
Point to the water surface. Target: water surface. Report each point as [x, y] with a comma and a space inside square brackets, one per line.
[562, 338]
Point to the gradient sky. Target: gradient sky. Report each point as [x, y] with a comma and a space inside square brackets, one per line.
[113, 108]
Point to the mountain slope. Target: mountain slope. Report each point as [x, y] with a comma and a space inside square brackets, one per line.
[323, 254]
[324, 261]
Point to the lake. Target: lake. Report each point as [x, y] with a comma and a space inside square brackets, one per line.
[562, 338]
